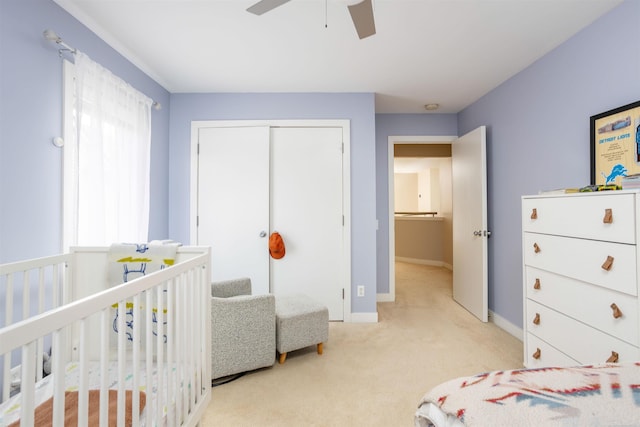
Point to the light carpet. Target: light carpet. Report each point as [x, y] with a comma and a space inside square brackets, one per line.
[372, 374]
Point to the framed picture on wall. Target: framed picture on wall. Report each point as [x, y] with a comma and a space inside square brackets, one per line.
[615, 144]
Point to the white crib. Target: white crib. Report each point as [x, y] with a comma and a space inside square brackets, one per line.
[155, 370]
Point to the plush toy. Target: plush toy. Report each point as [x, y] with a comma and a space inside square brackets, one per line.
[46, 364]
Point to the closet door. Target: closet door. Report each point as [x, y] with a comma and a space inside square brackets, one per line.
[306, 209]
[233, 202]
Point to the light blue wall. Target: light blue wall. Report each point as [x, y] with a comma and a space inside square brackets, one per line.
[358, 108]
[538, 138]
[31, 115]
[538, 133]
[399, 125]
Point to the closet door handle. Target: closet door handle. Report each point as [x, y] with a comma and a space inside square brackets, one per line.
[536, 320]
[536, 248]
[534, 213]
[536, 285]
[537, 354]
[616, 311]
[608, 216]
[608, 263]
[613, 358]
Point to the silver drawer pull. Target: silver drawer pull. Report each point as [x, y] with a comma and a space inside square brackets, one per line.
[608, 263]
[613, 358]
[616, 311]
[608, 216]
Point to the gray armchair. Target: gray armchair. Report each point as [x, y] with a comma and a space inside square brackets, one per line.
[243, 328]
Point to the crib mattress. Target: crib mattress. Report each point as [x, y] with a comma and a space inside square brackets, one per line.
[596, 395]
[10, 410]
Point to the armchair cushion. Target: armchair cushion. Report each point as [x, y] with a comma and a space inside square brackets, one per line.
[243, 329]
[231, 288]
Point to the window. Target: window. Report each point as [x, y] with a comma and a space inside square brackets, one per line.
[107, 132]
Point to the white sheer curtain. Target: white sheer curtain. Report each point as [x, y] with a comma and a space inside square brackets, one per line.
[113, 156]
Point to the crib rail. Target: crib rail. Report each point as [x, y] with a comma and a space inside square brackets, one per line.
[166, 355]
[28, 288]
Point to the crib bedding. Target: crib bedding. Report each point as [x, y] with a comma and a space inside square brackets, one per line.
[594, 395]
[10, 410]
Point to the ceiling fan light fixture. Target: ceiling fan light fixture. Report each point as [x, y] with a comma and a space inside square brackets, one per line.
[431, 107]
[362, 16]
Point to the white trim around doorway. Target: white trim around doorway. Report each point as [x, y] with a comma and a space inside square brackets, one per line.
[392, 140]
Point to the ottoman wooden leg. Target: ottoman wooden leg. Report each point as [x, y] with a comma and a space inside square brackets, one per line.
[320, 348]
[282, 358]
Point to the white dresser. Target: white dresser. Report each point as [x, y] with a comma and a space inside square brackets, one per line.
[580, 278]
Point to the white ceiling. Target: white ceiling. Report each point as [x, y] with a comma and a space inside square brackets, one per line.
[450, 52]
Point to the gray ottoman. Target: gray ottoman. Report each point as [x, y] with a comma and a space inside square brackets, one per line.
[300, 322]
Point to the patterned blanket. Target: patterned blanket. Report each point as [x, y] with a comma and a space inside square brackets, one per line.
[596, 395]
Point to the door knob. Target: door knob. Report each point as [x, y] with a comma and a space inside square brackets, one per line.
[263, 233]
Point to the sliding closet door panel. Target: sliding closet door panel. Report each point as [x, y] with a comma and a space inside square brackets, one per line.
[233, 202]
[306, 209]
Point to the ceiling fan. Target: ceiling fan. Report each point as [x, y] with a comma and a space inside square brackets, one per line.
[361, 14]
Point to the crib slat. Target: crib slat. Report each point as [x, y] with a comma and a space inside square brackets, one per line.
[200, 327]
[41, 294]
[104, 366]
[6, 372]
[25, 295]
[171, 379]
[161, 367]
[148, 336]
[186, 350]
[135, 394]
[58, 371]
[55, 286]
[122, 342]
[27, 390]
[83, 387]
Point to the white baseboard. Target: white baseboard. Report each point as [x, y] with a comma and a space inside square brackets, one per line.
[509, 327]
[420, 261]
[425, 262]
[364, 317]
[388, 297]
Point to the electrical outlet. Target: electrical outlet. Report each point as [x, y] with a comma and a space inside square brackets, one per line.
[360, 291]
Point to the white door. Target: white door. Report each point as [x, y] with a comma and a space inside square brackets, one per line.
[469, 173]
[233, 202]
[306, 209]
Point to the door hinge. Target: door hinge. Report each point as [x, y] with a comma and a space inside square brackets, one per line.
[198, 149]
[342, 147]
[342, 293]
[197, 220]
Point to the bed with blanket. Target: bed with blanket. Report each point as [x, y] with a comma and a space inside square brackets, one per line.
[96, 336]
[590, 395]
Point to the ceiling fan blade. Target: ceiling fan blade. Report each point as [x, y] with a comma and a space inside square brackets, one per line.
[362, 16]
[265, 6]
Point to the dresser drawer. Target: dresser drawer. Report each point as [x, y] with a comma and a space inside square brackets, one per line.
[575, 339]
[587, 303]
[583, 260]
[540, 354]
[582, 215]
